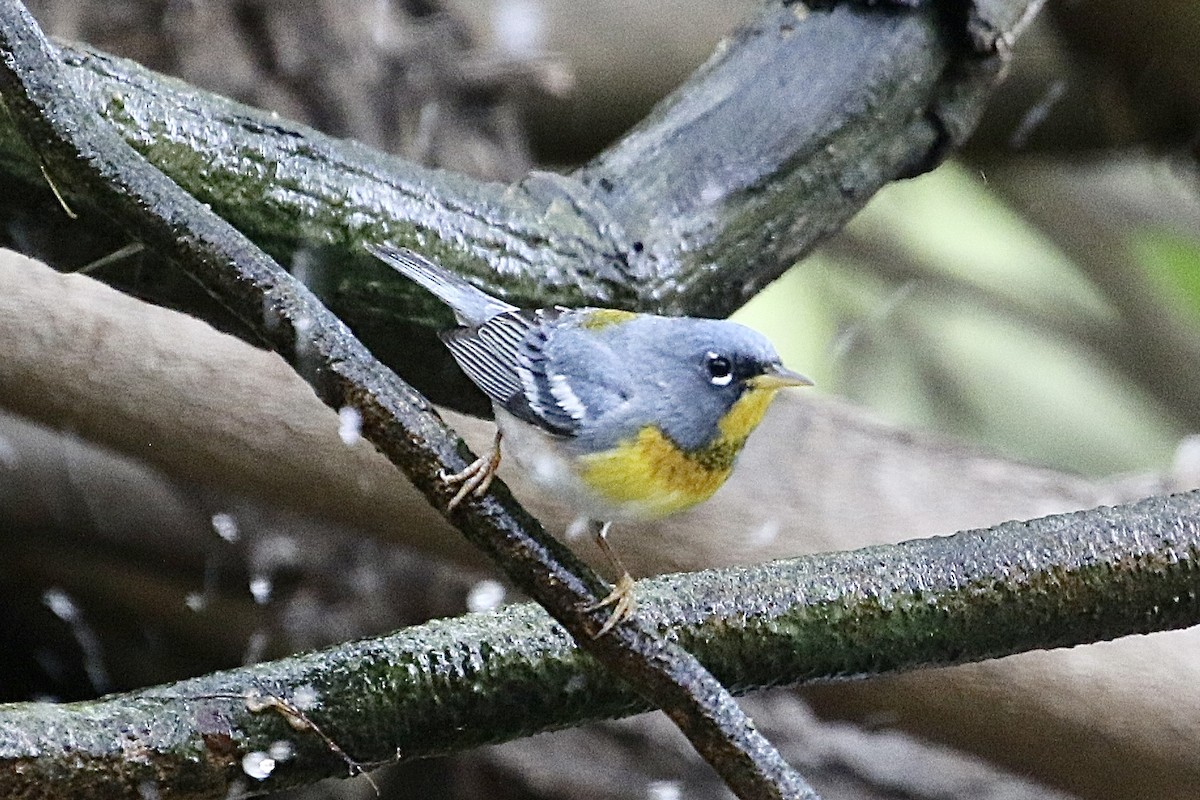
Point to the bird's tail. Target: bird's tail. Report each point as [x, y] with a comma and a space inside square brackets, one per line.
[472, 306]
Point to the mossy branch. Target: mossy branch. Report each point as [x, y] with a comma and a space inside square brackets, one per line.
[453, 684]
[788, 130]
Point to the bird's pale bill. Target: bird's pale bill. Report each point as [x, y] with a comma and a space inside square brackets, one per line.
[778, 377]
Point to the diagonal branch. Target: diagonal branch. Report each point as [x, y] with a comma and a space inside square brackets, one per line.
[448, 685]
[85, 157]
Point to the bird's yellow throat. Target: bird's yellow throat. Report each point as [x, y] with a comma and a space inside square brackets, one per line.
[651, 471]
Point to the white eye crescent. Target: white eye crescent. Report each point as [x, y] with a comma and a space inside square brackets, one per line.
[720, 369]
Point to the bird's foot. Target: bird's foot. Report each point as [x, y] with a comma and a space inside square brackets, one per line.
[476, 478]
[622, 600]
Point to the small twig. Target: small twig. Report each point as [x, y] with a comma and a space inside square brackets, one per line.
[74, 143]
[57, 194]
[133, 248]
[258, 700]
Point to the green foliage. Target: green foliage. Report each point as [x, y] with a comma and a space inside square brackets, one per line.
[941, 307]
[1172, 261]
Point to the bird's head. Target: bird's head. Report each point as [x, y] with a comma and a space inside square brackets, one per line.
[721, 379]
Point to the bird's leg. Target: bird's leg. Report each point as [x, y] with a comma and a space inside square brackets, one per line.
[477, 477]
[621, 597]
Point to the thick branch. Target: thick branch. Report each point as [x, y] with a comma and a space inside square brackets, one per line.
[796, 121]
[82, 151]
[1053, 582]
[792, 126]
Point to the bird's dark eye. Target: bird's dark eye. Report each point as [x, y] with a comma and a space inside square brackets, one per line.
[720, 369]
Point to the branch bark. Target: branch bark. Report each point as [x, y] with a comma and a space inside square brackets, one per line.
[686, 214]
[452, 684]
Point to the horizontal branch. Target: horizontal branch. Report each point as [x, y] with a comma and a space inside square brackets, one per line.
[452, 684]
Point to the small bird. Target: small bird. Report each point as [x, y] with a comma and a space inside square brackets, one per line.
[621, 416]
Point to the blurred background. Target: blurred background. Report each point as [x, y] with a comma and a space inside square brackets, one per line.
[1038, 294]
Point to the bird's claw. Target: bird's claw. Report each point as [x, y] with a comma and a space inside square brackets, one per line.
[476, 478]
[622, 600]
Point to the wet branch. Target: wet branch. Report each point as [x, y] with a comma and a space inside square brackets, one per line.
[693, 211]
[453, 684]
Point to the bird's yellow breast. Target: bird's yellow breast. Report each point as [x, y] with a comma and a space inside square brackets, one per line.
[653, 473]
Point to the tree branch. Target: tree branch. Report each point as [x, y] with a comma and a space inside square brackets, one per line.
[452, 684]
[79, 149]
[843, 99]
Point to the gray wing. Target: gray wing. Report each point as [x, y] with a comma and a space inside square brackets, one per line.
[507, 358]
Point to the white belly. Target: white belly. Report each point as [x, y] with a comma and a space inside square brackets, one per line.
[546, 461]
